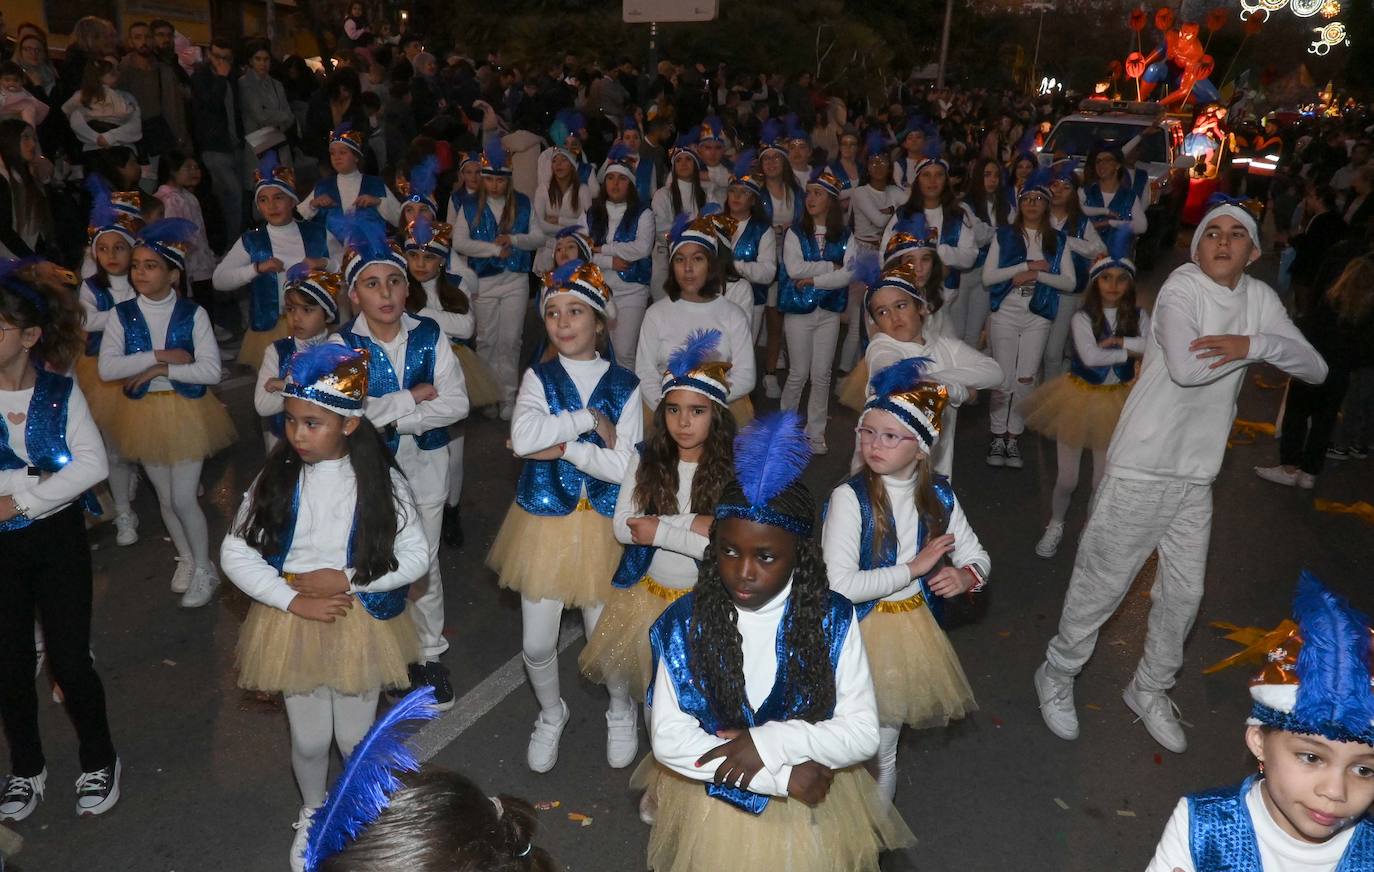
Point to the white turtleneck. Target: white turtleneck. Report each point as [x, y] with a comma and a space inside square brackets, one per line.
[44, 495]
[119, 288]
[268, 403]
[850, 736]
[533, 428]
[237, 268]
[675, 562]
[115, 365]
[324, 522]
[840, 543]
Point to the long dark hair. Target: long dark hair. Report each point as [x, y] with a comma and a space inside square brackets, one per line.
[714, 649]
[1049, 237]
[715, 280]
[698, 192]
[451, 297]
[656, 479]
[949, 203]
[598, 218]
[928, 506]
[59, 317]
[976, 198]
[555, 192]
[377, 507]
[1127, 315]
[31, 200]
[834, 221]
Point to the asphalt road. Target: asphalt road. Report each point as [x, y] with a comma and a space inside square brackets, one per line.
[207, 785]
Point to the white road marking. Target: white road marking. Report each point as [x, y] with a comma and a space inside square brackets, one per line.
[473, 705]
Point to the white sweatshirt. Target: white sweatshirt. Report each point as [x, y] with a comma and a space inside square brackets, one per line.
[640, 248]
[850, 736]
[1086, 347]
[96, 320]
[42, 496]
[1063, 281]
[533, 428]
[553, 218]
[1177, 418]
[873, 210]
[666, 327]
[427, 471]
[115, 365]
[961, 256]
[1278, 851]
[840, 544]
[329, 494]
[269, 403]
[674, 564]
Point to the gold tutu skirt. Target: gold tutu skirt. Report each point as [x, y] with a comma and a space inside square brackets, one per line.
[255, 342]
[618, 652]
[102, 397]
[696, 832]
[481, 384]
[743, 410]
[917, 678]
[854, 388]
[570, 558]
[1075, 413]
[280, 652]
[165, 428]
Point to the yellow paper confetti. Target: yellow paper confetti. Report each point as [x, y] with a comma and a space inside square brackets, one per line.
[1124, 812]
[1360, 509]
[1061, 803]
[1246, 432]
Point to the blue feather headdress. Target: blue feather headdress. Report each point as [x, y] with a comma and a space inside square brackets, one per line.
[15, 275]
[424, 178]
[694, 367]
[364, 789]
[428, 235]
[877, 146]
[171, 238]
[743, 173]
[932, 154]
[620, 159]
[686, 147]
[578, 234]
[364, 234]
[1038, 183]
[347, 136]
[771, 454]
[319, 285]
[1316, 680]
[331, 376]
[1066, 171]
[494, 158]
[110, 212]
[1120, 243]
[712, 130]
[771, 137]
[271, 174]
[796, 133]
[583, 280]
[909, 234]
[901, 390]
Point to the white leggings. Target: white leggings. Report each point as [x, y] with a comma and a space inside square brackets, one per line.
[811, 342]
[500, 310]
[455, 467]
[1066, 481]
[176, 488]
[1017, 338]
[123, 479]
[849, 352]
[1057, 345]
[887, 760]
[629, 315]
[316, 719]
[541, 620]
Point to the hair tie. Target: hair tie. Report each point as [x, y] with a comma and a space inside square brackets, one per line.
[500, 809]
[529, 846]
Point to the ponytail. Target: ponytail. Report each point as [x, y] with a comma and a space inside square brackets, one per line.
[54, 311]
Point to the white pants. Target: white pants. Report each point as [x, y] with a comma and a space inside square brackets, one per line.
[540, 621]
[1129, 519]
[849, 352]
[659, 273]
[1057, 345]
[756, 322]
[629, 315]
[316, 719]
[969, 309]
[123, 478]
[1066, 480]
[456, 444]
[500, 310]
[176, 488]
[1017, 336]
[811, 342]
[429, 607]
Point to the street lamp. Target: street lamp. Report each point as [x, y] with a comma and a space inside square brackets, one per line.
[1042, 7]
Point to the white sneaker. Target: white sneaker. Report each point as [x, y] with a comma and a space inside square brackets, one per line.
[1048, 546]
[1014, 453]
[22, 796]
[1277, 474]
[302, 837]
[771, 389]
[126, 529]
[542, 754]
[622, 738]
[1159, 714]
[202, 589]
[223, 336]
[648, 808]
[98, 791]
[1056, 703]
[181, 579]
[818, 447]
[506, 411]
[997, 452]
[1306, 480]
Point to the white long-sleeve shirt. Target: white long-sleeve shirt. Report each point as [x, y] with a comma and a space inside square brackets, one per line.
[960, 256]
[426, 470]
[825, 275]
[552, 218]
[840, 544]
[350, 185]
[764, 268]
[324, 521]
[637, 249]
[114, 107]
[116, 365]
[848, 737]
[667, 325]
[662, 207]
[42, 496]
[533, 428]
[269, 403]
[96, 320]
[1278, 851]
[1138, 223]
[1093, 355]
[674, 564]
[1090, 246]
[873, 210]
[237, 269]
[456, 325]
[1177, 418]
[1063, 281]
[464, 245]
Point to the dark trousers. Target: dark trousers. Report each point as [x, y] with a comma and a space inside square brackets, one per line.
[47, 574]
[1309, 416]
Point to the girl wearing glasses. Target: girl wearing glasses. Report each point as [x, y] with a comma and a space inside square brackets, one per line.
[896, 543]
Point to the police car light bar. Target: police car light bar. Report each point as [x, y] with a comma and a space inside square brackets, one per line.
[1123, 107]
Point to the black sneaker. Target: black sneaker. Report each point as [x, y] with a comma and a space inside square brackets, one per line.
[22, 796]
[436, 676]
[1359, 452]
[452, 532]
[416, 673]
[98, 791]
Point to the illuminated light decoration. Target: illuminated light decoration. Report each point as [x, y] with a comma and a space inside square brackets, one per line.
[1331, 35]
[1250, 7]
[1306, 8]
[1330, 9]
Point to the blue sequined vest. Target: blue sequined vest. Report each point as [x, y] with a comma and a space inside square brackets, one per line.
[1011, 250]
[1096, 375]
[796, 300]
[45, 437]
[1221, 834]
[486, 228]
[421, 343]
[1081, 264]
[627, 230]
[370, 186]
[798, 205]
[264, 301]
[747, 250]
[285, 347]
[1122, 204]
[104, 302]
[180, 334]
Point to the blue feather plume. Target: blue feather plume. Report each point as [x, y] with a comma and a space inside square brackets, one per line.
[698, 348]
[619, 152]
[710, 209]
[309, 365]
[1041, 178]
[268, 163]
[424, 177]
[297, 273]
[934, 146]
[102, 203]
[713, 124]
[900, 376]
[744, 162]
[1333, 666]
[563, 274]
[495, 152]
[422, 228]
[686, 140]
[571, 119]
[868, 267]
[770, 454]
[364, 232]
[629, 123]
[1066, 170]
[771, 131]
[344, 127]
[875, 143]
[795, 130]
[178, 230]
[364, 788]
[679, 225]
[1120, 242]
[916, 226]
[574, 230]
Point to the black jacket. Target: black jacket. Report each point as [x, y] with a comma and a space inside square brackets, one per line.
[209, 116]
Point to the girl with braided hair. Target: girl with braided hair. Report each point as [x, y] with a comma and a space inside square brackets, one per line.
[776, 739]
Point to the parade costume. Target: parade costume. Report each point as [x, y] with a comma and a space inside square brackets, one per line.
[628, 236]
[1315, 681]
[290, 243]
[323, 289]
[650, 577]
[565, 503]
[755, 249]
[676, 197]
[330, 674]
[703, 825]
[344, 189]
[968, 312]
[871, 209]
[1123, 205]
[552, 216]
[1085, 246]
[916, 674]
[502, 285]
[1157, 492]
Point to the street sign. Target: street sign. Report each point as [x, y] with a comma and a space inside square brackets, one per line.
[646, 11]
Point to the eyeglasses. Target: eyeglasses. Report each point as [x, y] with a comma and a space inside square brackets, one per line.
[885, 438]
